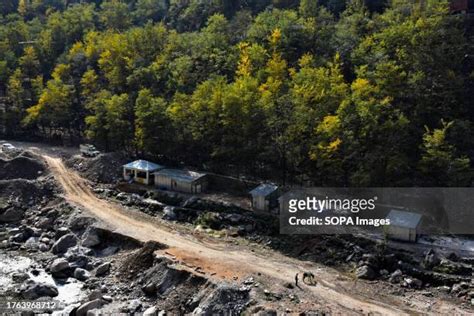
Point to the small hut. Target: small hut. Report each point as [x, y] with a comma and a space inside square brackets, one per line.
[264, 197]
[181, 180]
[403, 225]
[140, 171]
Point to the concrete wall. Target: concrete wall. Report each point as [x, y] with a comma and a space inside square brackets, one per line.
[401, 233]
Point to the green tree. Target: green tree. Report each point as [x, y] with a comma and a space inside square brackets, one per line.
[317, 93]
[150, 10]
[54, 110]
[17, 102]
[119, 121]
[115, 15]
[152, 127]
[309, 8]
[24, 8]
[29, 63]
[96, 119]
[8, 6]
[374, 137]
[441, 164]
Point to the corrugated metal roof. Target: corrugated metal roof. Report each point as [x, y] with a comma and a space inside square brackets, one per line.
[143, 165]
[404, 219]
[180, 175]
[264, 189]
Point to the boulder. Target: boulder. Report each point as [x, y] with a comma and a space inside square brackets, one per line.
[84, 308]
[396, 276]
[134, 306]
[412, 283]
[91, 238]
[81, 274]
[18, 277]
[433, 278]
[103, 269]
[109, 251]
[151, 311]
[365, 272]
[224, 300]
[32, 290]
[60, 268]
[81, 222]
[169, 213]
[370, 260]
[61, 231]
[20, 237]
[450, 267]
[32, 243]
[11, 215]
[431, 259]
[453, 257]
[95, 295]
[64, 243]
[234, 218]
[45, 223]
[149, 288]
[77, 256]
[43, 247]
[459, 287]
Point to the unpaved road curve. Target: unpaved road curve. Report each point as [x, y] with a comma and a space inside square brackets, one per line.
[217, 259]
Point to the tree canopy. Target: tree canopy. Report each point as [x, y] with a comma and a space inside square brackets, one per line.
[341, 92]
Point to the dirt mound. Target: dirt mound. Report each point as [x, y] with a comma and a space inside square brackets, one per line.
[224, 300]
[18, 195]
[25, 191]
[141, 259]
[105, 168]
[25, 166]
[181, 290]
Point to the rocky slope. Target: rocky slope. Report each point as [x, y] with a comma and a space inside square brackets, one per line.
[51, 249]
[62, 254]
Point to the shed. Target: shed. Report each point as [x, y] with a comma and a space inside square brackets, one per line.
[403, 225]
[264, 197]
[140, 171]
[181, 180]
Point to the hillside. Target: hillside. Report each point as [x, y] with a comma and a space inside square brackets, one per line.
[361, 93]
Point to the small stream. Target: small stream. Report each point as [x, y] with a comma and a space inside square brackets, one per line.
[70, 292]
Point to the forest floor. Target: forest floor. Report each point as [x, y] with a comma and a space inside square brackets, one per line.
[219, 260]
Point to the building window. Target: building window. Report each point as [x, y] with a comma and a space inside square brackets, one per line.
[141, 174]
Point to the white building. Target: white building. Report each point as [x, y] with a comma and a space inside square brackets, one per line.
[181, 180]
[403, 225]
[264, 197]
[140, 171]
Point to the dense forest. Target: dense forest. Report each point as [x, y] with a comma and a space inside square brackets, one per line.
[342, 92]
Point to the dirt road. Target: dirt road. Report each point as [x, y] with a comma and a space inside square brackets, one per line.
[221, 261]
